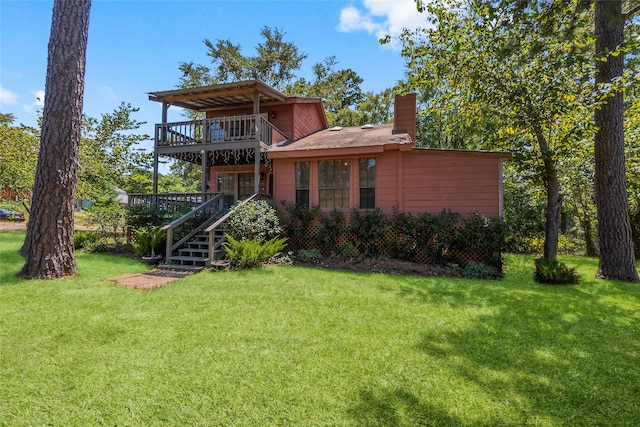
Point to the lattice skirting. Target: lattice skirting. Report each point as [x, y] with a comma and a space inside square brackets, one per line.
[345, 242]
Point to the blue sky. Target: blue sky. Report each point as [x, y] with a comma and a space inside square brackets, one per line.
[135, 47]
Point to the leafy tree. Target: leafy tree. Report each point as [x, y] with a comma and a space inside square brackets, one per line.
[109, 152]
[18, 158]
[7, 119]
[344, 102]
[48, 246]
[275, 62]
[617, 259]
[509, 66]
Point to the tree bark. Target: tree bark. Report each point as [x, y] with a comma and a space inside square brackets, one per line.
[614, 228]
[48, 246]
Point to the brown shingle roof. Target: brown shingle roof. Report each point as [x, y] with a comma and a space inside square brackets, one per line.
[374, 139]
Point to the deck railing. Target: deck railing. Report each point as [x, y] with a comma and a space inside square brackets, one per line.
[181, 230]
[218, 129]
[167, 200]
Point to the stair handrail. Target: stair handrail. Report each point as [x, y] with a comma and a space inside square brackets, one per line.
[175, 223]
[212, 228]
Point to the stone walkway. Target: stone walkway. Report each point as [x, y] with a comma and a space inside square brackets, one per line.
[149, 280]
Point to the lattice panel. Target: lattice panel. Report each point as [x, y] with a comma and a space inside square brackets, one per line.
[420, 251]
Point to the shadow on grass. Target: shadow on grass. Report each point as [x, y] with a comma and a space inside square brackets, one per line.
[398, 407]
[550, 354]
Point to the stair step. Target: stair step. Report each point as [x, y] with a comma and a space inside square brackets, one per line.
[194, 268]
[198, 250]
[183, 258]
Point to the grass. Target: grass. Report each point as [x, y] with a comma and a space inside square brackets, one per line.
[298, 346]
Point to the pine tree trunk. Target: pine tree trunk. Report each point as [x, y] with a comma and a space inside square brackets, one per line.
[48, 246]
[614, 227]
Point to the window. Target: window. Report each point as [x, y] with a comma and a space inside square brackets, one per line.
[245, 185]
[226, 186]
[302, 184]
[367, 168]
[333, 183]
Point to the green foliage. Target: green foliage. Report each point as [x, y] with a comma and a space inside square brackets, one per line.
[83, 239]
[369, 229]
[443, 238]
[331, 227]
[635, 229]
[254, 220]
[554, 272]
[18, 158]
[109, 221]
[309, 256]
[251, 253]
[109, 151]
[478, 270]
[143, 215]
[275, 62]
[148, 241]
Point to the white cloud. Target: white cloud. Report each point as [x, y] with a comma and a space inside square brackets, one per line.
[382, 17]
[108, 92]
[7, 97]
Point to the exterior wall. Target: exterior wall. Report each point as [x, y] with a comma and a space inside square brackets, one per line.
[212, 176]
[413, 181]
[307, 120]
[461, 182]
[295, 119]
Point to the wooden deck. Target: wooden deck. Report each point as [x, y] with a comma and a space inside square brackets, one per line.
[219, 133]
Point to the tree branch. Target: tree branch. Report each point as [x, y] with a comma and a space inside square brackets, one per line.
[631, 12]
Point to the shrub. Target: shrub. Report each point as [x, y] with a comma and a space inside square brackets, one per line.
[369, 229]
[250, 253]
[254, 220]
[148, 241]
[550, 271]
[331, 227]
[478, 270]
[83, 239]
[143, 215]
[309, 256]
[109, 221]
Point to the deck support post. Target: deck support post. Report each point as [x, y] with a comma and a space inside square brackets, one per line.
[165, 108]
[256, 171]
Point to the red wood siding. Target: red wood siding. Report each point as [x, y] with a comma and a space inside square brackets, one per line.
[414, 181]
[307, 120]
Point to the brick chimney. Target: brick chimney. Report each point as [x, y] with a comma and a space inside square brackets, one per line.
[404, 115]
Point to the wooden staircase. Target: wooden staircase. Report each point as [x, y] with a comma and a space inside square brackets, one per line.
[194, 255]
[200, 247]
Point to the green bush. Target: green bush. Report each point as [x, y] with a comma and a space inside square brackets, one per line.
[369, 229]
[309, 256]
[254, 220]
[478, 270]
[148, 241]
[109, 222]
[554, 272]
[143, 215]
[331, 227]
[83, 239]
[251, 253]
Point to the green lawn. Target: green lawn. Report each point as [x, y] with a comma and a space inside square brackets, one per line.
[295, 346]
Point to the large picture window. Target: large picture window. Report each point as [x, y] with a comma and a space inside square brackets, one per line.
[333, 183]
[302, 183]
[367, 172]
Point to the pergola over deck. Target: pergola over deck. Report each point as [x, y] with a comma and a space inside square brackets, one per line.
[202, 141]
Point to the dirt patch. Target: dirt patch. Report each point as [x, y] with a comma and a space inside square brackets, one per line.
[388, 267]
[148, 281]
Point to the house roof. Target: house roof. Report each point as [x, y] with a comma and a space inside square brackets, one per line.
[346, 140]
[237, 94]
